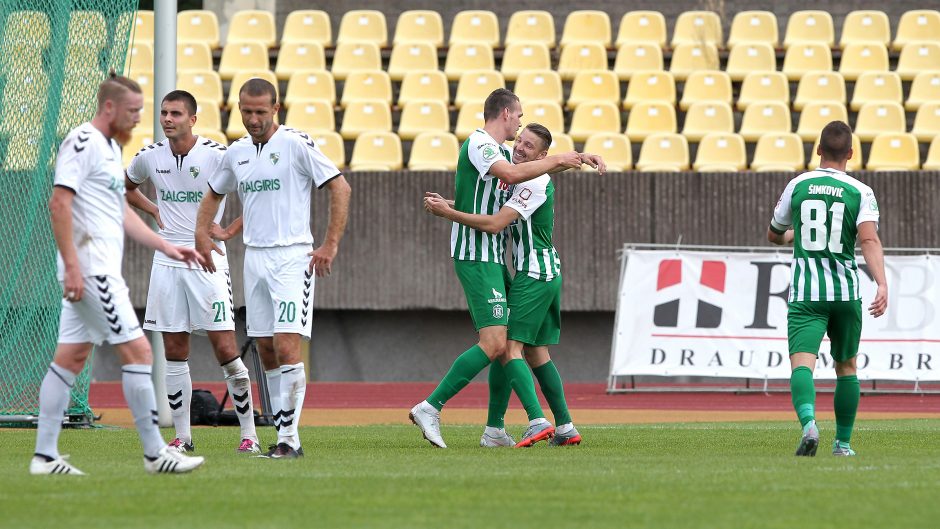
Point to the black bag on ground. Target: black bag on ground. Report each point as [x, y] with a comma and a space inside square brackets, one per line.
[204, 409]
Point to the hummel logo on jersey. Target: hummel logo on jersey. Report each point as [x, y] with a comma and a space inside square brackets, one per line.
[194, 171]
[243, 162]
[163, 171]
[708, 315]
[275, 156]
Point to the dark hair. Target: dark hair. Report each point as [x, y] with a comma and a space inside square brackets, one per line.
[498, 100]
[182, 95]
[543, 134]
[835, 141]
[115, 86]
[257, 86]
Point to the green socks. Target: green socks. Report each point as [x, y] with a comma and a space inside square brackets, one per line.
[803, 393]
[521, 380]
[846, 405]
[465, 367]
[499, 395]
[554, 391]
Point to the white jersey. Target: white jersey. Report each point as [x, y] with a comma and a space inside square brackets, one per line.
[89, 164]
[274, 181]
[180, 182]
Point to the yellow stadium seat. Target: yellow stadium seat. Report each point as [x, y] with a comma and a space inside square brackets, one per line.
[252, 25]
[764, 117]
[861, 58]
[23, 153]
[722, 152]
[925, 88]
[465, 57]
[143, 26]
[917, 26]
[376, 151]
[208, 116]
[310, 85]
[875, 118]
[649, 117]
[614, 148]
[820, 86]
[865, 27]
[750, 57]
[754, 26]
[637, 57]
[310, 116]
[355, 56]
[138, 141]
[363, 86]
[331, 144]
[27, 27]
[364, 116]
[810, 26]
[648, 86]
[299, 56]
[88, 28]
[546, 113]
[423, 116]
[539, 85]
[477, 85]
[706, 86]
[877, 87]
[591, 117]
[561, 143]
[894, 152]
[664, 153]
[423, 85]
[596, 85]
[22, 101]
[918, 57]
[306, 26]
[525, 57]
[927, 122]
[706, 117]
[469, 119]
[531, 26]
[778, 152]
[193, 56]
[139, 58]
[932, 163]
[854, 163]
[697, 28]
[481, 27]
[805, 57]
[363, 26]
[411, 56]
[817, 115]
[211, 134]
[242, 56]
[240, 79]
[197, 25]
[688, 58]
[145, 80]
[419, 26]
[586, 26]
[642, 27]
[579, 57]
[763, 86]
[434, 151]
[84, 85]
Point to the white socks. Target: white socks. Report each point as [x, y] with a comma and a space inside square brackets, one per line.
[293, 390]
[494, 432]
[564, 428]
[273, 378]
[53, 401]
[539, 420]
[138, 392]
[239, 386]
[179, 391]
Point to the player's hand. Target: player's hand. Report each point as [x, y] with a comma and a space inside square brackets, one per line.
[321, 259]
[74, 285]
[880, 304]
[218, 233]
[205, 247]
[594, 161]
[187, 255]
[436, 206]
[429, 194]
[570, 160]
[157, 219]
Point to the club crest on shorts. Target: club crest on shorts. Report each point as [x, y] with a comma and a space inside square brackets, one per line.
[275, 156]
[194, 171]
[497, 311]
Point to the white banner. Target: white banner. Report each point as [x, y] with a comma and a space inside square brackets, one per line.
[683, 313]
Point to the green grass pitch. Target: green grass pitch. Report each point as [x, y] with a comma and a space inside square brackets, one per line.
[729, 475]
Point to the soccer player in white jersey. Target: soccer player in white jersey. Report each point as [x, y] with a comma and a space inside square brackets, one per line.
[183, 300]
[822, 213]
[273, 170]
[89, 220]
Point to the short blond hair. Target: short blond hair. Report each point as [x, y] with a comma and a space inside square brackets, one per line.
[114, 87]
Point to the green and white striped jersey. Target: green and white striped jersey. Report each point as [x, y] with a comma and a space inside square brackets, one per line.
[480, 193]
[824, 207]
[532, 249]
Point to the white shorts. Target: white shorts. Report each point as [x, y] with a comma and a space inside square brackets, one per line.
[186, 300]
[278, 290]
[104, 314]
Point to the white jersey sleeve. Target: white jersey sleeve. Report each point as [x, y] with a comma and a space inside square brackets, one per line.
[137, 171]
[782, 219]
[868, 208]
[310, 161]
[224, 181]
[483, 153]
[529, 196]
[73, 163]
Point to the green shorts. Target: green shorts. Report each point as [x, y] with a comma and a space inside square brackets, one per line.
[535, 310]
[808, 321]
[485, 286]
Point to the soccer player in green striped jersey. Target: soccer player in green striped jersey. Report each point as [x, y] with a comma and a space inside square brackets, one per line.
[823, 213]
[535, 293]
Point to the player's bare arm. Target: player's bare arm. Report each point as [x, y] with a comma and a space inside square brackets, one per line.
[488, 223]
[136, 229]
[875, 259]
[519, 173]
[321, 259]
[60, 206]
[140, 201]
[780, 238]
[219, 233]
[204, 245]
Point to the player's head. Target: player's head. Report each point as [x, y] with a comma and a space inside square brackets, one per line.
[119, 103]
[503, 107]
[178, 114]
[532, 144]
[835, 143]
[257, 101]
